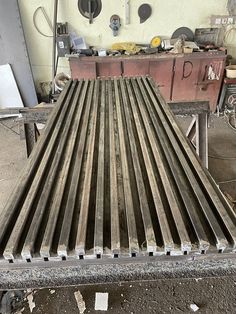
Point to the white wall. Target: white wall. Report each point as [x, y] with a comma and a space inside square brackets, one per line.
[167, 16]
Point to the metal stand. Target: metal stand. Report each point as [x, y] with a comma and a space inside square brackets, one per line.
[198, 128]
[27, 122]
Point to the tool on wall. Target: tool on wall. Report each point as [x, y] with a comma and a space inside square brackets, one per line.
[184, 32]
[63, 40]
[115, 24]
[46, 18]
[144, 12]
[90, 8]
[127, 12]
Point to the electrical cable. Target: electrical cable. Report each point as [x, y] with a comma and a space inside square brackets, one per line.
[226, 35]
[47, 19]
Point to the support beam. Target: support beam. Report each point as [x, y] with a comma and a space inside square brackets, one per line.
[202, 138]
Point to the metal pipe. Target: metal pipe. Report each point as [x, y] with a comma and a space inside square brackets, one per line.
[54, 45]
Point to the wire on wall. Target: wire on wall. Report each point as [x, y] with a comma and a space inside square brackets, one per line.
[46, 18]
[227, 33]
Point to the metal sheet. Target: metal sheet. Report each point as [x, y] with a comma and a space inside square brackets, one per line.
[9, 93]
[113, 177]
[14, 51]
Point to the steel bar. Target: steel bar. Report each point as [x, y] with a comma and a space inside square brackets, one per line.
[54, 49]
[191, 132]
[202, 137]
[30, 137]
[189, 107]
[113, 177]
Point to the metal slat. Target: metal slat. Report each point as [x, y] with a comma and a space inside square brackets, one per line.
[12, 208]
[141, 98]
[115, 230]
[113, 176]
[132, 231]
[100, 195]
[22, 218]
[220, 238]
[62, 179]
[63, 245]
[143, 201]
[178, 174]
[84, 207]
[69, 132]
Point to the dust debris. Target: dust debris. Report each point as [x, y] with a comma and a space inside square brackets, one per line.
[80, 301]
[194, 307]
[20, 311]
[30, 298]
[198, 279]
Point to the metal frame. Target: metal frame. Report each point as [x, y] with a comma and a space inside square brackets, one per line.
[41, 275]
[45, 273]
[27, 122]
[198, 128]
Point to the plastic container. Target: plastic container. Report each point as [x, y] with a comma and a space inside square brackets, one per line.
[231, 71]
[188, 50]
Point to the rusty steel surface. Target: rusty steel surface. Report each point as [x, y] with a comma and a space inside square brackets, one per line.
[114, 177]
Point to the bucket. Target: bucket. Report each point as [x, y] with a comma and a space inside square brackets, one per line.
[231, 71]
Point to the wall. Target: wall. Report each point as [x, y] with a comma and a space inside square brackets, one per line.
[167, 16]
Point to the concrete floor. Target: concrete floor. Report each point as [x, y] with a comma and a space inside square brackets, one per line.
[211, 295]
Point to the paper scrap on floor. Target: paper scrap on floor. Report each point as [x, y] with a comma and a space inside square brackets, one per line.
[101, 301]
[9, 93]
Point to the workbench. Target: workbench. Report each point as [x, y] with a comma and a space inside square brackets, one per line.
[180, 77]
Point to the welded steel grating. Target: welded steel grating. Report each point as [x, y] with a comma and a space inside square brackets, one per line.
[113, 176]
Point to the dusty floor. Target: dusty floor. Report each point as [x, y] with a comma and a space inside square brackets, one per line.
[210, 295]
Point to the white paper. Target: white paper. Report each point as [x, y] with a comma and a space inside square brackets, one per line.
[101, 301]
